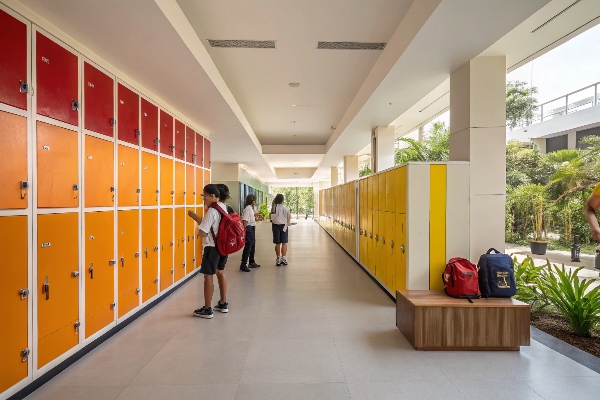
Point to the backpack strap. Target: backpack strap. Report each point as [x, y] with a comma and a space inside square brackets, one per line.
[220, 211]
[493, 249]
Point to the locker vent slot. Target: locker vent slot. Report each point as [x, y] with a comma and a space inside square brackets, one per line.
[245, 44]
[350, 46]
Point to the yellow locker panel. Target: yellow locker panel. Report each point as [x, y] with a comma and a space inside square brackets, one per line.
[149, 254]
[128, 267]
[369, 192]
[149, 179]
[99, 270]
[390, 245]
[179, 244]
[375, 193]
[58, 284]
[166, 181]
[401, 251]
[179, 183]
[390, 193]
[369, 240]
[166, 248]
[190, 191]
[99, 180]
[437, 226]
[13, 163]
[190, 244]
[382, 195]
[400, 188]
[128, 175]
[382, 271]
[13, 278]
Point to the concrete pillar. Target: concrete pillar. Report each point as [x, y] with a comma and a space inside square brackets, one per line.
[421, 132]
[478, 135]
[382, 148]
[334, 176]
[350, 168]
[541, 144]
[572, 140]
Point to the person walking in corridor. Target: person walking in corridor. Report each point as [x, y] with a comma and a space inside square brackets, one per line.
[250, 223]
[281, 219]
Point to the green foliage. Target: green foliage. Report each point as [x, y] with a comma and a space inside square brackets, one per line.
[435, 147]
[520, 104]
[365, 170]
[527, 276]
[527, 205]
[300, 200]
[264, 211]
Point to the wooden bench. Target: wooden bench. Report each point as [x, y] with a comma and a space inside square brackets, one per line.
[431, 320]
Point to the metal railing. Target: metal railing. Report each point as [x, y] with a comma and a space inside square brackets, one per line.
[572, 102]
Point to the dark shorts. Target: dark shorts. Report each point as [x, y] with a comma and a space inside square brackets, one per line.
[279, 236]
[212, 261]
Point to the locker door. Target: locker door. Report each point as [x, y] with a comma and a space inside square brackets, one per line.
[179, 183]
[190, 145]
[57, 162]
[369, 193]
[149, 254]
[377, 243]
[199, 249]
[179, 243]
[13, 63]
[190, 244]
[166, 181]
[199, 185]
[400, 187]
[166, 248]
[207, 163]
[58, 288]
[128, 266]
[149, 179]
[361, 239]
[149, 125]
[57, 81]
[13, 278]
[206, 177]
[179, 140]
[13, 158]
[98, 89]
[166, 134]
[99, 180]
[128, 174]
[391, 243]
[375, 193]
[190, 193]
[99, 270]
[199, 150]
[129, 111]
[390, 191]
[382, 192]
[401, 252]
[383, 242]
[369, 240]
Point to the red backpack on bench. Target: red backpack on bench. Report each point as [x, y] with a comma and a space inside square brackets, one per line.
[461, 279]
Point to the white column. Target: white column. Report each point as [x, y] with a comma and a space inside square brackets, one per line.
[350, 168]
[572, 140]
[541, 144]
[334, 176]
[421, 132]
[382, 148]
[478, 135]
[316, 188]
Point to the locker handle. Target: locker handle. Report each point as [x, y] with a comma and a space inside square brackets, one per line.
[376, 237]
[392, 244]
[382, 240]
[193, 158]
[113, 121]
[23, 87]
[137, 132]
[24, 187]
[370, 235]
[172, 270]
[24, 293]
[122, 262]
[75, 191]
[155, 280]
[172, 147]
[171, 243]
[25, 354]
[46, 289]
[91, 269]
[75, 274]
[74, 105]
[112, 262]
[146, 252]
[183, 153]
[155, 248]
[360, 231]
[402, 248]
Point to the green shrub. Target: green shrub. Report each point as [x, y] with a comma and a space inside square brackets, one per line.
[527, 276]
[264, 211]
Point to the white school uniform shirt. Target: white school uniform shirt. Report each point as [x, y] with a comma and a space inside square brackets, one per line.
[282, 216]
[248, 216]
[212, 218]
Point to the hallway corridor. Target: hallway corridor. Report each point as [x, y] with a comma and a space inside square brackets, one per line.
[319, 328]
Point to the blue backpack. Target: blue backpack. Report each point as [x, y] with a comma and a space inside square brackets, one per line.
[496, 275]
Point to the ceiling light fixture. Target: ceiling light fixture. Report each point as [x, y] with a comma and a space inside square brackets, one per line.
[294, 84]
[332, 127]
[293, 105]
[293, 122]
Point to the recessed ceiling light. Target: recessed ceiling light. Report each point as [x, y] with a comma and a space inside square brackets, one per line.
[294, 84]
[293, 105]
[293, 122]
[295, 173]
[296, 162]
[332, 127]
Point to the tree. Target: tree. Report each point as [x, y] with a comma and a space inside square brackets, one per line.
[435, 147]
[520, 104]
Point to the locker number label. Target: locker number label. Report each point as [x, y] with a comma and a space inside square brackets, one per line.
[47, 244]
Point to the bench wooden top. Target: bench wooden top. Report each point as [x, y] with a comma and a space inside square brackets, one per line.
[434, 298]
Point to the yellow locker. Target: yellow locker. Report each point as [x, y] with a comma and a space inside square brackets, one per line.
[390, 193]
[58, 285]
[166, 248]
[369, 240]
[401, 252]
[375, 193]
[149, 179]
[400, 188]
[128, 260]
[376, 243]
[13, 279]
[382, 271]
[190, 242]
[179, 183]
[190, 191]
[149, 254]
[99, 180]
[128, 175]
[369, 192]
[179, 265]
[13, 162]
[389, 250]
[99, 270]
[166, 181]
[382, 195]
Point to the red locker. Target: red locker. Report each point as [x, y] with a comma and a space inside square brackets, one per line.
[199, 149]
[190, 144]
[57, 81]
[129, 107]
[166, 133]
[149, 125]
[98, 89]
[13, 61]
[206, 153]
[179, 140]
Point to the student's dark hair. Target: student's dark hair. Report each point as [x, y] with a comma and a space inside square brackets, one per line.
[277, 200]
[223, 192]
[249, 200]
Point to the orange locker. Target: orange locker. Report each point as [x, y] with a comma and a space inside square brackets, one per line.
[149, 179]
[166, 248]
[190, 192]
[180, 234]
[206, 177]
[128, 174]
[376, 244]
[99, 95]
[199, 185]
[99, 270]
[58, 285]
[369, 240]
[57, 171]
[99, 179]
[13, 63]
[149, 254]
[13, 159]
[166, 181]
[13, 280]
[190, 236]
[179, 183]
[401, 252]
[128, 256]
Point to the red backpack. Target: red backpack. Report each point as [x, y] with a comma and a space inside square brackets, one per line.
[232, 234]
[461, 280]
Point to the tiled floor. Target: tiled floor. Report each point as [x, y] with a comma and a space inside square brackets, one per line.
[316, 329]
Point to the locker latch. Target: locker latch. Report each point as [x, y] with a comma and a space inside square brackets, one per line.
[156, 191]
[75, 274]
[182, 240]
[137, 254]
[172, 147]
[171, 243]
[146, 252]
[155, 248]
[113, 121]
[184, 192]
[112, 188]
[24, 187]
[112, 306]
[112, 262]
[361, 232]
[172, 271]
[137, 291]
[155, 280]
[156, 141]
[24, 293]
[392, 244]
[138, 190]
[25, 354]
[122, 262]
[183, 265]
[74, 105]
[77, 325]
[402, 248]
[46, 289]
[183, 153]
[91, 269]
[382, 240]
[23, 87]
[172, 192]
[194, 259]
[370, 235]
[75, 191]
[137, 132]
[193, 158]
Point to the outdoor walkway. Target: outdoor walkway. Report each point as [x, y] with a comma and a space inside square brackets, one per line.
[316, 329]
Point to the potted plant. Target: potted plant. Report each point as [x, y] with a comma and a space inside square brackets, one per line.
[539, 243]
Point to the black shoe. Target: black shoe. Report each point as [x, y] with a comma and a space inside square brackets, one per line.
[203, 313]
[254, 265]
[222, 307]
[244, 268]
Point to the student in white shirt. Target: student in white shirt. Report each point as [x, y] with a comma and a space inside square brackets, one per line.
[250, 223]
[212, 261]
[281, 219]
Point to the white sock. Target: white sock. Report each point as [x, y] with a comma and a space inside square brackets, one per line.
[283, 257]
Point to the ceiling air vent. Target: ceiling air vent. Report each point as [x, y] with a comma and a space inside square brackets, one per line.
[553, 18]
[350, 46]
[243, 44]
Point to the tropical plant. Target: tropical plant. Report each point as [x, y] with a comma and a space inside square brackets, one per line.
[520, 104]
[365, 170]
[527, 205]
[434, 147]
[264, 211]
[527, 276]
